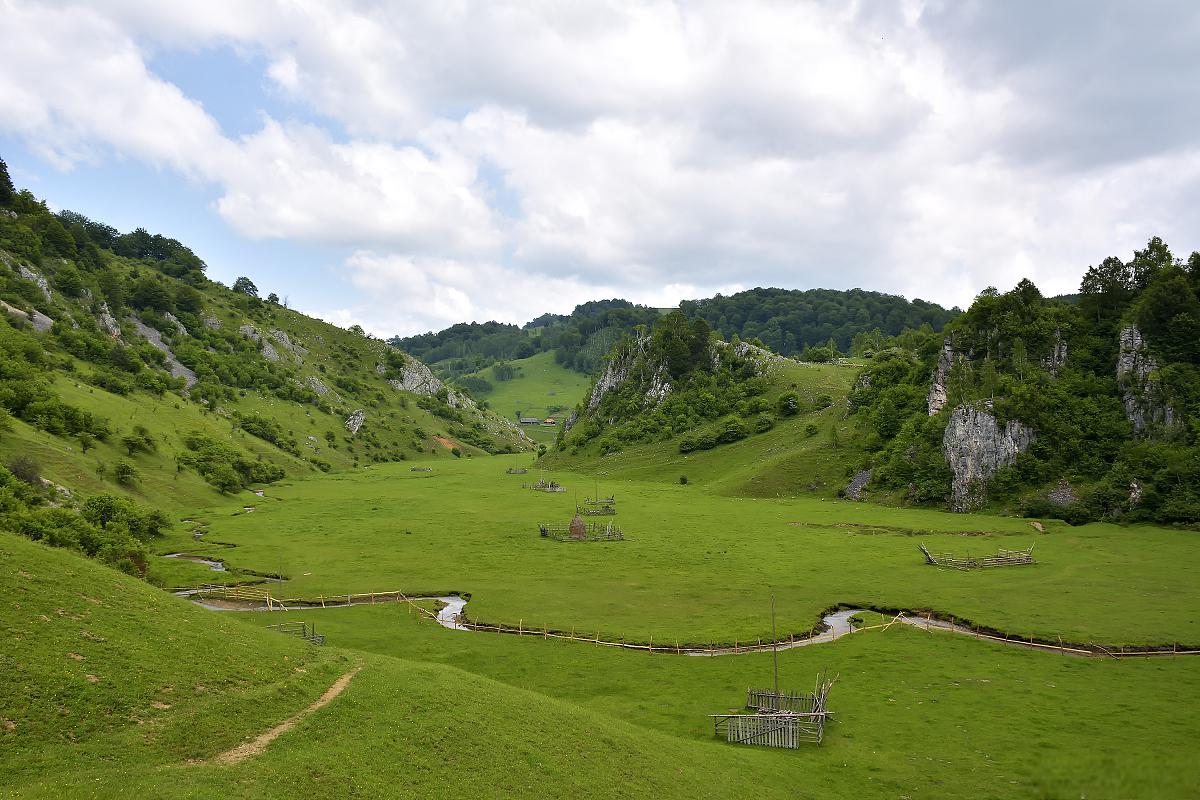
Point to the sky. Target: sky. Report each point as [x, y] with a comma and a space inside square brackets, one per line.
[407, 166]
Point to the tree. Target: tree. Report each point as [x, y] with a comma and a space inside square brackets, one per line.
[68, 281]
[7, 191]
[273, 298]
[151, 293]
[245, 286]
[112, 288]
[125, 473]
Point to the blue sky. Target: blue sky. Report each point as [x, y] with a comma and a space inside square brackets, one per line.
[407, 166]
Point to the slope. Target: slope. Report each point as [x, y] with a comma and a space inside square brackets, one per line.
[537, 387]
[116, 688]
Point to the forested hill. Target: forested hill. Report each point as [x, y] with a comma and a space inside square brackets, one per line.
[125, 370]
[579, 340]
[1088, 409]
[816, 324]
[790, 321]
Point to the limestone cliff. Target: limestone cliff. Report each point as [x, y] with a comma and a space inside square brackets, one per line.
[976, 446]
[1141, 392]
[938, 394]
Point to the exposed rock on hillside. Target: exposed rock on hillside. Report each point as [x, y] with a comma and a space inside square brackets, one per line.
[1137, 378]
[316, 385]
[355, 421]
[37, 319]
[285, 341]
[938, 395]
[30, 275]
[1058, 354]
[620, 369]
[975, 447]
[1063, 494]
[176, 369]
[108, 322]
[417, 378]
[857, 484]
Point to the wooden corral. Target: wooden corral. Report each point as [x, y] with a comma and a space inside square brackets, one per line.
[596, 511]
[517, 471]
[543, 485]
[421, 469]
[302, 629]
[1002, 558]
[779, 719]
[579, 531]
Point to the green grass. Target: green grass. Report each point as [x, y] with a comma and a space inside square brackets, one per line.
[697, 566]
[917, 714]
[543, 389]
[808, 454]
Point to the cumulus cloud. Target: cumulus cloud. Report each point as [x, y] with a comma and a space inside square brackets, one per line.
[498, 160]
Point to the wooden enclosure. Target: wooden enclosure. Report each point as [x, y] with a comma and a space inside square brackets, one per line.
[302, 629]
[544, 486]
[1002, 558]
[592, 532]
[780, 719]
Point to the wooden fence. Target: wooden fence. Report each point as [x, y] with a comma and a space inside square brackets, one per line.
[257, 596]
[301, 629]
[779, 719]
[593, 532]
[1002, 558]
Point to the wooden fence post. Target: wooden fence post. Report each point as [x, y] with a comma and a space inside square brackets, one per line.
[520, 627]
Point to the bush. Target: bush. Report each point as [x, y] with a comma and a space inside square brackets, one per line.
[26, 470]
[683, 480]
[125, 473]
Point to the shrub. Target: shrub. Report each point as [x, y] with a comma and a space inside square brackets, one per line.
[683, 480]
[26, 470]
[125, 473]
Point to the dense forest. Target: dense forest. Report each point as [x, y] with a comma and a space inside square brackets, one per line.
[1108, 382]
[579, 340]
[790, 321]
[813, 325]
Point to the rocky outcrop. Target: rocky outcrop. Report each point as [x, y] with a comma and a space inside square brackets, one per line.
[1064, 494]
[108, 322]
[660, 386]
[976, 446]
[938, 394]
[458, 400]
[314, 383]
[620, 369]
[355, 421]
[1058, 355]
[268, 351]
[1137, 378]
[416, 377]
[287, 344]
[212, 323]
[37, 319]
[176, 369]
[30, 275]
[615, 373]
[179, 328]
[857, 484]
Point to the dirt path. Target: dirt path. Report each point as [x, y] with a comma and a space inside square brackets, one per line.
[258, 744]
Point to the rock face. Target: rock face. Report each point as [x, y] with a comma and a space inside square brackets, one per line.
[315, 384]
[616, 372]
[171, 318]
[29, 274]
[109, 322]
[212, 323]
[37, 319]
[620, 369]
[355, 421]
[1063, 494]
[1058, 355]
[286, 343]
[152, 336]
[975, 446]
[1141, 392]
[417, 378]
[857, 484]
[938, 396]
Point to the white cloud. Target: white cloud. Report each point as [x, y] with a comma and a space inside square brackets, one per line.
[503, 159]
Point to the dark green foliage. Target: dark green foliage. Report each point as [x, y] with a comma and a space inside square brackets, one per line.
[268, 430]
[149, 292]
[223, 466]
[125, 473]
[25, 469]
[245, 286]
[474, 385]
[140, 441]
[788, 321]
[7, 191]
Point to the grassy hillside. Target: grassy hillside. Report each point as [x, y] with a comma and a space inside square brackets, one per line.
[115, 688]
[539, 387]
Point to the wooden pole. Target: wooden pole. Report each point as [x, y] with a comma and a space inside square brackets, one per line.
[774, 646]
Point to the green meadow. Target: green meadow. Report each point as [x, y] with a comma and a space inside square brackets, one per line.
[696, 566]
[541, 388]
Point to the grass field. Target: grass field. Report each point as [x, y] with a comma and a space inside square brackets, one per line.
[697, 566]
[542, 389]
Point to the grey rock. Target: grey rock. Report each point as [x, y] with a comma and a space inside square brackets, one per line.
[250, 332]
[212, 323]
[938, 395]
[1142, 394]
[416, 377]
[1063, 494]
[269, 352]
[108, 322]
[315, 384]
[857, 484]
[37, 319]
[975, 447]
[1058, 354]
[179, 328]
[292, 347]
[355, 421]
[1135, 493]
[176, 369]
[28, 274]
